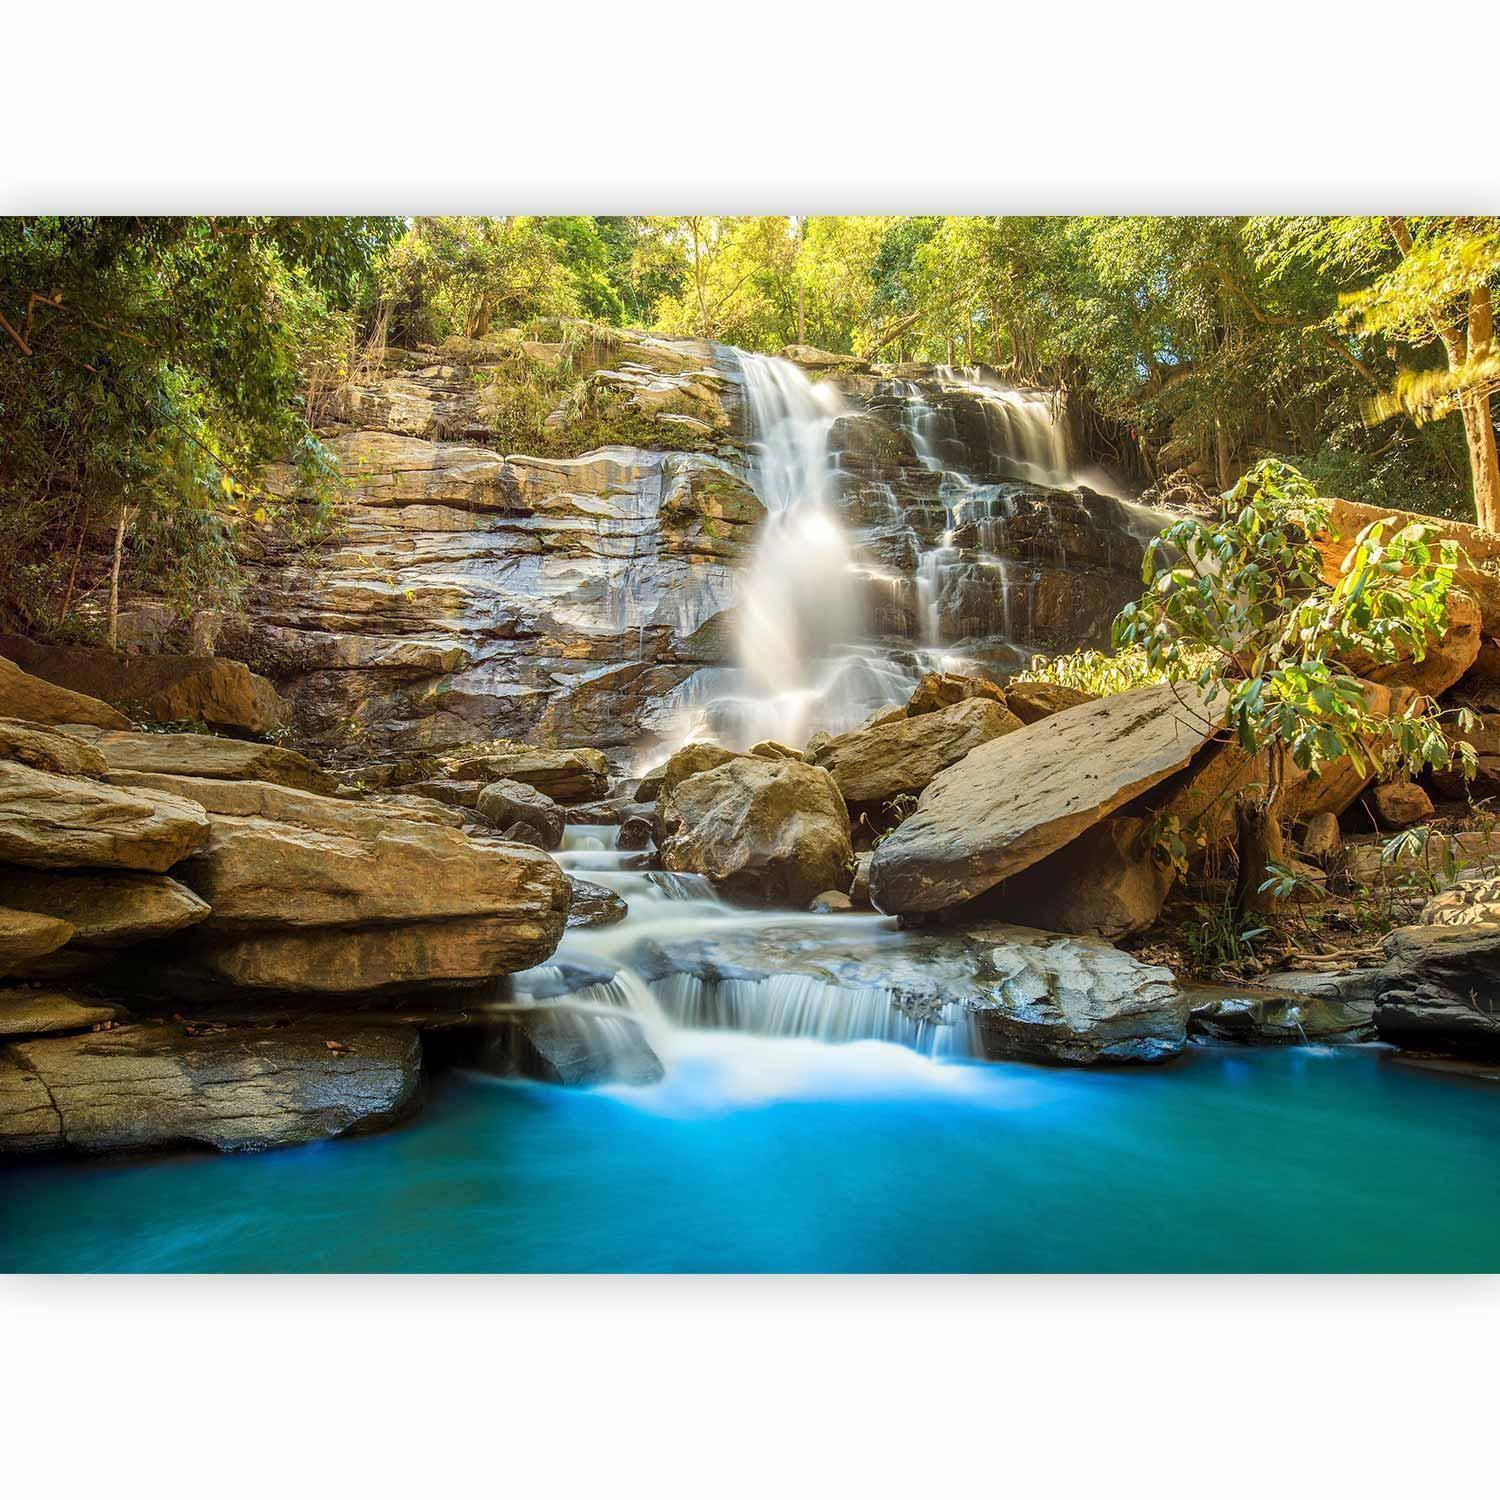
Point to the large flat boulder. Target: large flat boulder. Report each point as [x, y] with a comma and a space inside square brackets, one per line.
[1014, 800]
[49, 750]
[106, 908]
[23, 696]
[1440, 989]
[209, 755]
[563, 775]
[53, 822]
[768, 831]
[209, 690]
[28, 935]
[157, 1085]
[27, 1011]
[989, 989]
[871, 766]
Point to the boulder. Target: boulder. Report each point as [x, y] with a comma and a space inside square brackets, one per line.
[446, 790]
[635, 833]
[564, 775]
[23, 696]
[1104, 883]
[657, 784]
[1471, 901]
[49, 750]
[1320, 838]
[871, 766]
[773, 750]
[1451, 784]
[889, 714]
[1444, 661]
[1013, 801]
[524, 833]
[422, 809]
[106, 908]
[938, 690]
[209, 690]
[54, 822]
[1399, 804]
[156, 1085]
[1440, 989]
[208, 755]
[826, 903]
[811, 358]
[761, 830]
[29, 935]
[859, 885]
[595, 905]
[507, 803]
[1030, 701]
[25, 1011]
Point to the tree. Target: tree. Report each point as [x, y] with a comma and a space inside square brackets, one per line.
[1243, 601]
[147, 371]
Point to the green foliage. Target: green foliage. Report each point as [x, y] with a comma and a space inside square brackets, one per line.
[1101, 673]
[149, 367]
[1246, 595]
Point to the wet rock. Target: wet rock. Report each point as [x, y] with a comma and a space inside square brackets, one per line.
[106, 908]
[874, 765]
[27, 1011]
[944, 689]
[595, 905]
[1030, 701]
[49, 750]
[28, 935]
[524, 833]
[571, 1046]
[23, 696]
[828, 902]
[208, 755]
[57, 822]
[657, 784]
[508, 803]
[761, 830]
[1399, 804]
[157, 1085]
[635, 833]
[1016, 799]
[1439, 990]
[209, 690]
[1104, 883]
[1293, 1009]
[562, 775]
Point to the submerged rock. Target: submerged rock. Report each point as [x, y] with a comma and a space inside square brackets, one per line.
[873, 765]
[1013, 801]
[767, 831]
[1440, 989]
[154, 1085]
[571, 1045]
[595, 905]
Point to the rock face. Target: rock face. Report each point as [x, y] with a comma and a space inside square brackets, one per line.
[508, 803]
[27, 935]
[562, 775]
[1439, 992]
[1015, 800]
[773, 831]
[155, 1085]
[158, 689]
[51, 822]
[36, 701]
[208, 755]
[107, 909]
[874, 765]
[42, 1012]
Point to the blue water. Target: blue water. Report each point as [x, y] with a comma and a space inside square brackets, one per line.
[792, 1156]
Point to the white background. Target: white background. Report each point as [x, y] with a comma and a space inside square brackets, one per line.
[794, 1387]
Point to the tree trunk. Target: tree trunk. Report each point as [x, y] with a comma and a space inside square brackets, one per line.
[1484, 466]
[801, 301]
[114, 579]
[1222, 455]
[1259, 841]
